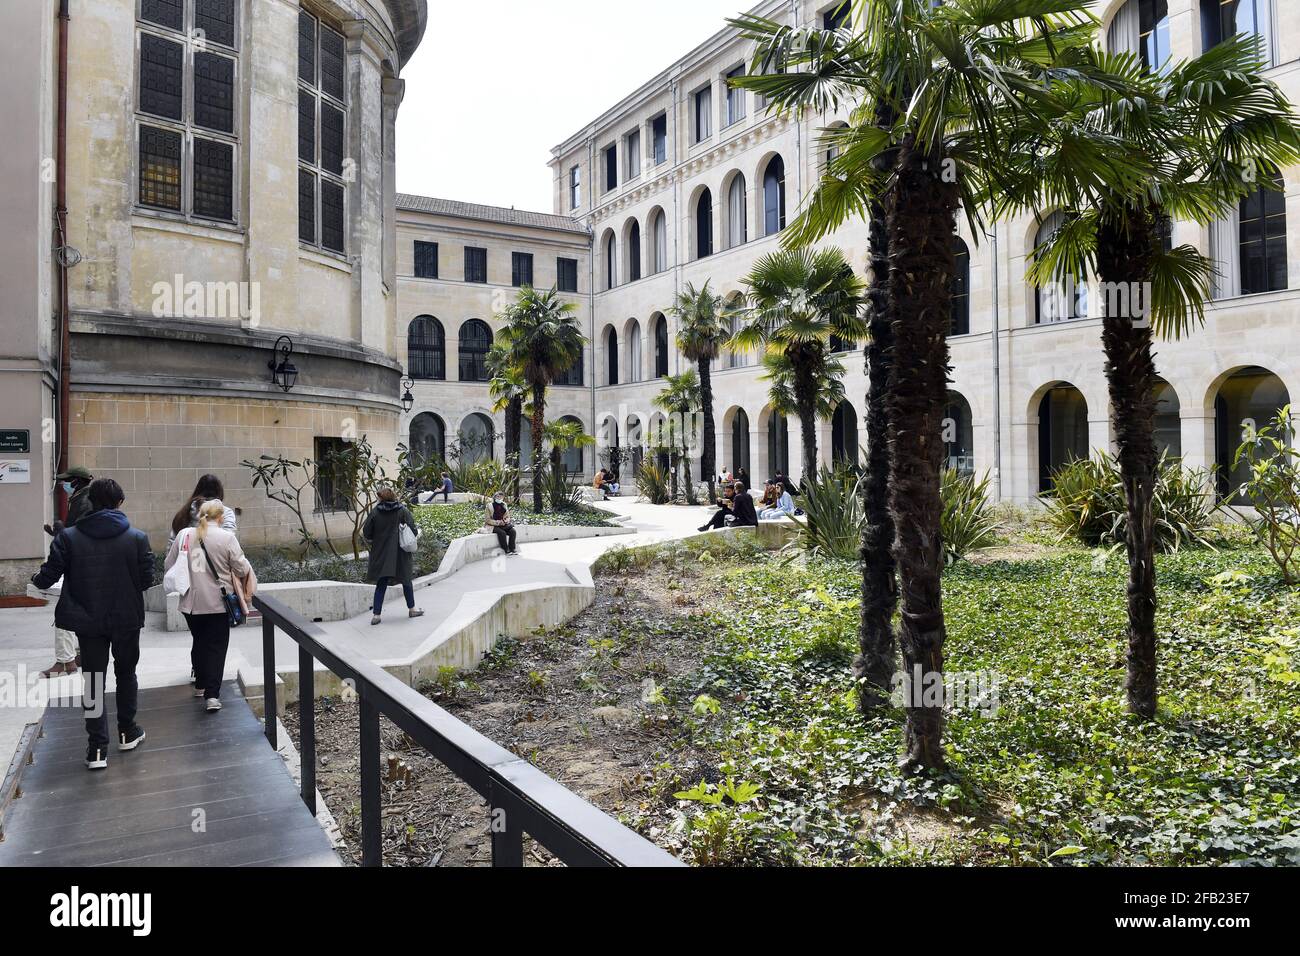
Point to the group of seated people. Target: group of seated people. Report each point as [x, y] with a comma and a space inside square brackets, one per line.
[736, 506]
[606, 481]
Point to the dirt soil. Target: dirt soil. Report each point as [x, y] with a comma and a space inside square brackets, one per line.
[572, 701]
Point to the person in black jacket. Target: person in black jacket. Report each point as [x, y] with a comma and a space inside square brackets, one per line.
[389, 564]
[106, 566]
[740, 508]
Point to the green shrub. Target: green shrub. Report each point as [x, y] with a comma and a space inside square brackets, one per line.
[487, 477]
[653, 483]
[833, 513]
[968, 522]
[1273, 489]
[1087, 504]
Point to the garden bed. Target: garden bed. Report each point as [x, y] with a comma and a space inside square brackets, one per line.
[731, 669]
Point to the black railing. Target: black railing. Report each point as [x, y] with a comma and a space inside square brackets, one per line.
[521, 799]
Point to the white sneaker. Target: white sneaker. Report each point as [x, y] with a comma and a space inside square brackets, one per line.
[96, 759]
[200, 692]
[213, 704]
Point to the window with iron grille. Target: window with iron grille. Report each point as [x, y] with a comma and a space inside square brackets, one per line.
[521, 268]
[475, 264]
[323, 167]
[474, 342]
[426, 348]
[426, 260]
[187, 75]
[566, 274]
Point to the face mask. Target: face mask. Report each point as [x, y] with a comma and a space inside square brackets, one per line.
[498, 500]
[67, 488]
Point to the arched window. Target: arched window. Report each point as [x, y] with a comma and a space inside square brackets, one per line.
[1168, 421]
[611, 262]
[426, 348]
[477, 435]
[1062, 432]
[1247, 401]
[572, 457]
[960, 287]
[740, 441]
[958, 435]
[1142, 27]
[611, 358]
[659, 240]
[634, 352]
[1224, 19]
[774, 196]
[661, 346]
[1065, 298]
[704, 225]
[1262, 238]
[427, 438]
[778, 444]
[737, 225]
[475, 340]
[844, 434]
[634, 252]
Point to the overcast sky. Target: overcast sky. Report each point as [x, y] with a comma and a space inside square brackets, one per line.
[493, 87]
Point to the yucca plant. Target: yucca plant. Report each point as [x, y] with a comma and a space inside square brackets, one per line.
[1088, 504]
[653, 483]
[831, 524]
[968, 523]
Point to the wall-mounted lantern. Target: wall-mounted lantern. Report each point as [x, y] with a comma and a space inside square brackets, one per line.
[284, 373]
[408, 400]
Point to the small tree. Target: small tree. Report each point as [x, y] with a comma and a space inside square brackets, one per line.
[700, 338]
[1273, 488]
[680, 398]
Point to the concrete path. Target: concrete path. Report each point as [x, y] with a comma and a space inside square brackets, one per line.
[27, 636]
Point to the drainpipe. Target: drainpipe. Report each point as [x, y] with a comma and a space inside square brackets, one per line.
[997, 377]
[61, 223]
[591, 285]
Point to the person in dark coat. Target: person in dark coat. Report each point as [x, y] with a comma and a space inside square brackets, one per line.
[106, 566]
[76, 485]
[498, 519]
[389, 564]
[739, 508]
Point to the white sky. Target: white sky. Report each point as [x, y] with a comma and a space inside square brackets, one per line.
[493, 87]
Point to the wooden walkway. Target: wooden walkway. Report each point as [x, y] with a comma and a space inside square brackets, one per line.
[144, 810]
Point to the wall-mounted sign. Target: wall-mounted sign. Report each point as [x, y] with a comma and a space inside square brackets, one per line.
[15, 441]
[15, 471]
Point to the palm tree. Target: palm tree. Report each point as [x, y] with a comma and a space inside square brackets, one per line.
[563, 435]
[680, 399]
[700, 337]
[1203, 126]
[544, 341]
[508, 390]
[828, 385]
[925, 83]
[798, 300]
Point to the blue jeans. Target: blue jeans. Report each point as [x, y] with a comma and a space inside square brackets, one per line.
[381, 586]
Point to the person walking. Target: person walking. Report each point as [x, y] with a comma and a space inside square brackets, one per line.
[390, 563]
[498, 519]
[217, 566]
[76, 485]
[106, 566]
[208, 488]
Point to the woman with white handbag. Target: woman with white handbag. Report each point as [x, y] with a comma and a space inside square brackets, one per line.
[393, 538]
[207, 567]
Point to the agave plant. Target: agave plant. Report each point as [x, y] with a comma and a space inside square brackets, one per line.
[968, 524]
[653, 483]
[831, 524]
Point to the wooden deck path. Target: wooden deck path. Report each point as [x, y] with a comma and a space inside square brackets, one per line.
[202, 790]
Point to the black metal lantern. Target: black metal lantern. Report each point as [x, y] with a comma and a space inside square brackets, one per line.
[408, 400]
[284, 373]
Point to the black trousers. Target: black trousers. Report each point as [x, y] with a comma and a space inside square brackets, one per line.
[719, 519]
[95, 649]
[211, 633]
[506, 537]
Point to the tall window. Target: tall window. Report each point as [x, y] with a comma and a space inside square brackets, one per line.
[703, 111]
[960, 287]
[1223, 19]
[735, 97]
[475, 264]
[611, 358]
[521, 268]
[737, 219]
[661, 347]
[186, 144]
[611, 167]
[659, 130]
[774, 196]
[634, 351]
[611, 262]
[1065, 298]
[572, 375]
[566, 274]
[575, 187]
[704, 225]
[1141, 27]
[426, 260]
[1262, 217]
[333, 487]
[634, 252]
[426, 348]
[322, 121]
[633, 144]
[659, 229]
[475, 340]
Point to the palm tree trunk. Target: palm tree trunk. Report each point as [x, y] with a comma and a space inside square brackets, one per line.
[922, 218]
[805, 400]
[1124, 256]
[539, 420]
[708, 460]
[514, 434]
[873, 668]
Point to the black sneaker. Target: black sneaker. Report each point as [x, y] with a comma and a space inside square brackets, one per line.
[193, 679]
[130, 739]
[96, 759]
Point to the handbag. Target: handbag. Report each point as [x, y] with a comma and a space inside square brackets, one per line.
[234, 609]
[406, 538]
[177, 578]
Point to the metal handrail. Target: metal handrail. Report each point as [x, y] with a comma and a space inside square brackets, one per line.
[521, 799]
